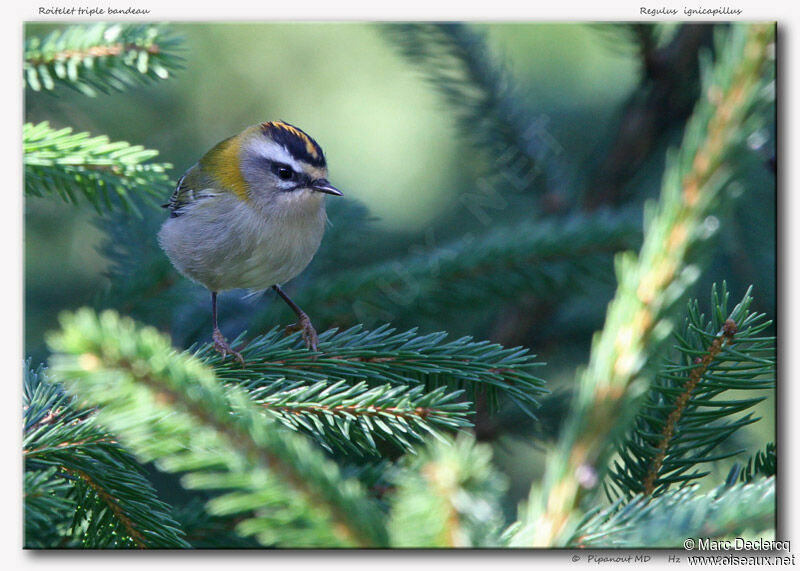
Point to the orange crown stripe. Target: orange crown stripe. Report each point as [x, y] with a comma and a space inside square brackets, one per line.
[310, 147]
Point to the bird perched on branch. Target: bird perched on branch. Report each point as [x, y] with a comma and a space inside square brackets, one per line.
[250, 214]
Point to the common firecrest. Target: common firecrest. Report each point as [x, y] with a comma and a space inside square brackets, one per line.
[250, 214]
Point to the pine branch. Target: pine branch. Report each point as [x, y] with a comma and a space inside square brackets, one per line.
[353, 418]
[102, 57]
[170, 408]
[106, 174]
[646, 37]
[205, 531]
[531, 258]
[763, 464]
[374, 474]
[667, 520]
[48, 508]
[350, 226]
[113, 504]
[458, 62]
[664, 99]
[382, 356]
[638, 318]
[142, 283]
[448, 497]
[686, 415]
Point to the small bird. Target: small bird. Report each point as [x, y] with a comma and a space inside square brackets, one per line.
[250, 214]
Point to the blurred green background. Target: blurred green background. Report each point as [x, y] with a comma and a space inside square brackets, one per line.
[389, 140]
[390, 143]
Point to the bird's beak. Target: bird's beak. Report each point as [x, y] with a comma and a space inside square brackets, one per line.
[322, 185]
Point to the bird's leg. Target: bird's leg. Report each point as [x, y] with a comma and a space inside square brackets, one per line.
[303, 322]
[220, 343]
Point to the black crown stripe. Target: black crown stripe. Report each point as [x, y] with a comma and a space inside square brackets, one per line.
[296, 141]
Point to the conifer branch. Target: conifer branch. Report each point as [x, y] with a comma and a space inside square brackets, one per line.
[104, 173]
[350, 418]
[685, 416]
[107, 498]
[763, 464]
[384, 356]
[170, 408]
[47, 506]
[667, 520]
[696, 375]
[112, 502]
[101, 57]
[638, 317]
[458, 62]
[530, 258]
[448, 496]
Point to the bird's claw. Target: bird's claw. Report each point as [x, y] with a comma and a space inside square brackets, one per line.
[222, 347]
[308, 332]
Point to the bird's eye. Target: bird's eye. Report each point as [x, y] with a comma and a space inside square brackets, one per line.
[285, 173]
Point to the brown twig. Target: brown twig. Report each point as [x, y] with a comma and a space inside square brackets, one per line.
[619, 351]
[664, 99]
[695, 376]
[29, 452]
[93, 51]
[113, 505]
[244, 441]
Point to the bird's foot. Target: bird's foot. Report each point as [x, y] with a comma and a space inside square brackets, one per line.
[309, 333]
[221, 346]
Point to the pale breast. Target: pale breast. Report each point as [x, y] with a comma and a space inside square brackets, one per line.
[224, 243]
[281, 251]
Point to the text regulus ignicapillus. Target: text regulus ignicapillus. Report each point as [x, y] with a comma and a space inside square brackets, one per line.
[250, 214]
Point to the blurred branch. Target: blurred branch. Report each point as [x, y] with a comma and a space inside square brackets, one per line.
[663, 100]
[101, 57]
[638, 318]
[518, 153]
[666, 521]
[48, 508]
[447, 496]
[764, 464]
[542, 258]
[206, 531]
[106, 174]
[168, 407]
[142, 283]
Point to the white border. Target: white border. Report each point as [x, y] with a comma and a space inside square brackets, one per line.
[345, 10]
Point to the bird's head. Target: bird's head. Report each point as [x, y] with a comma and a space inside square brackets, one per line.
[271, 164]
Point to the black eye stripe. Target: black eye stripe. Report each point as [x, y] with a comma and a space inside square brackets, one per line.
[283, 171]
[286, 173]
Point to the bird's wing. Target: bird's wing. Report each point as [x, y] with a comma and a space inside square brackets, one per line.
[192, 187]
